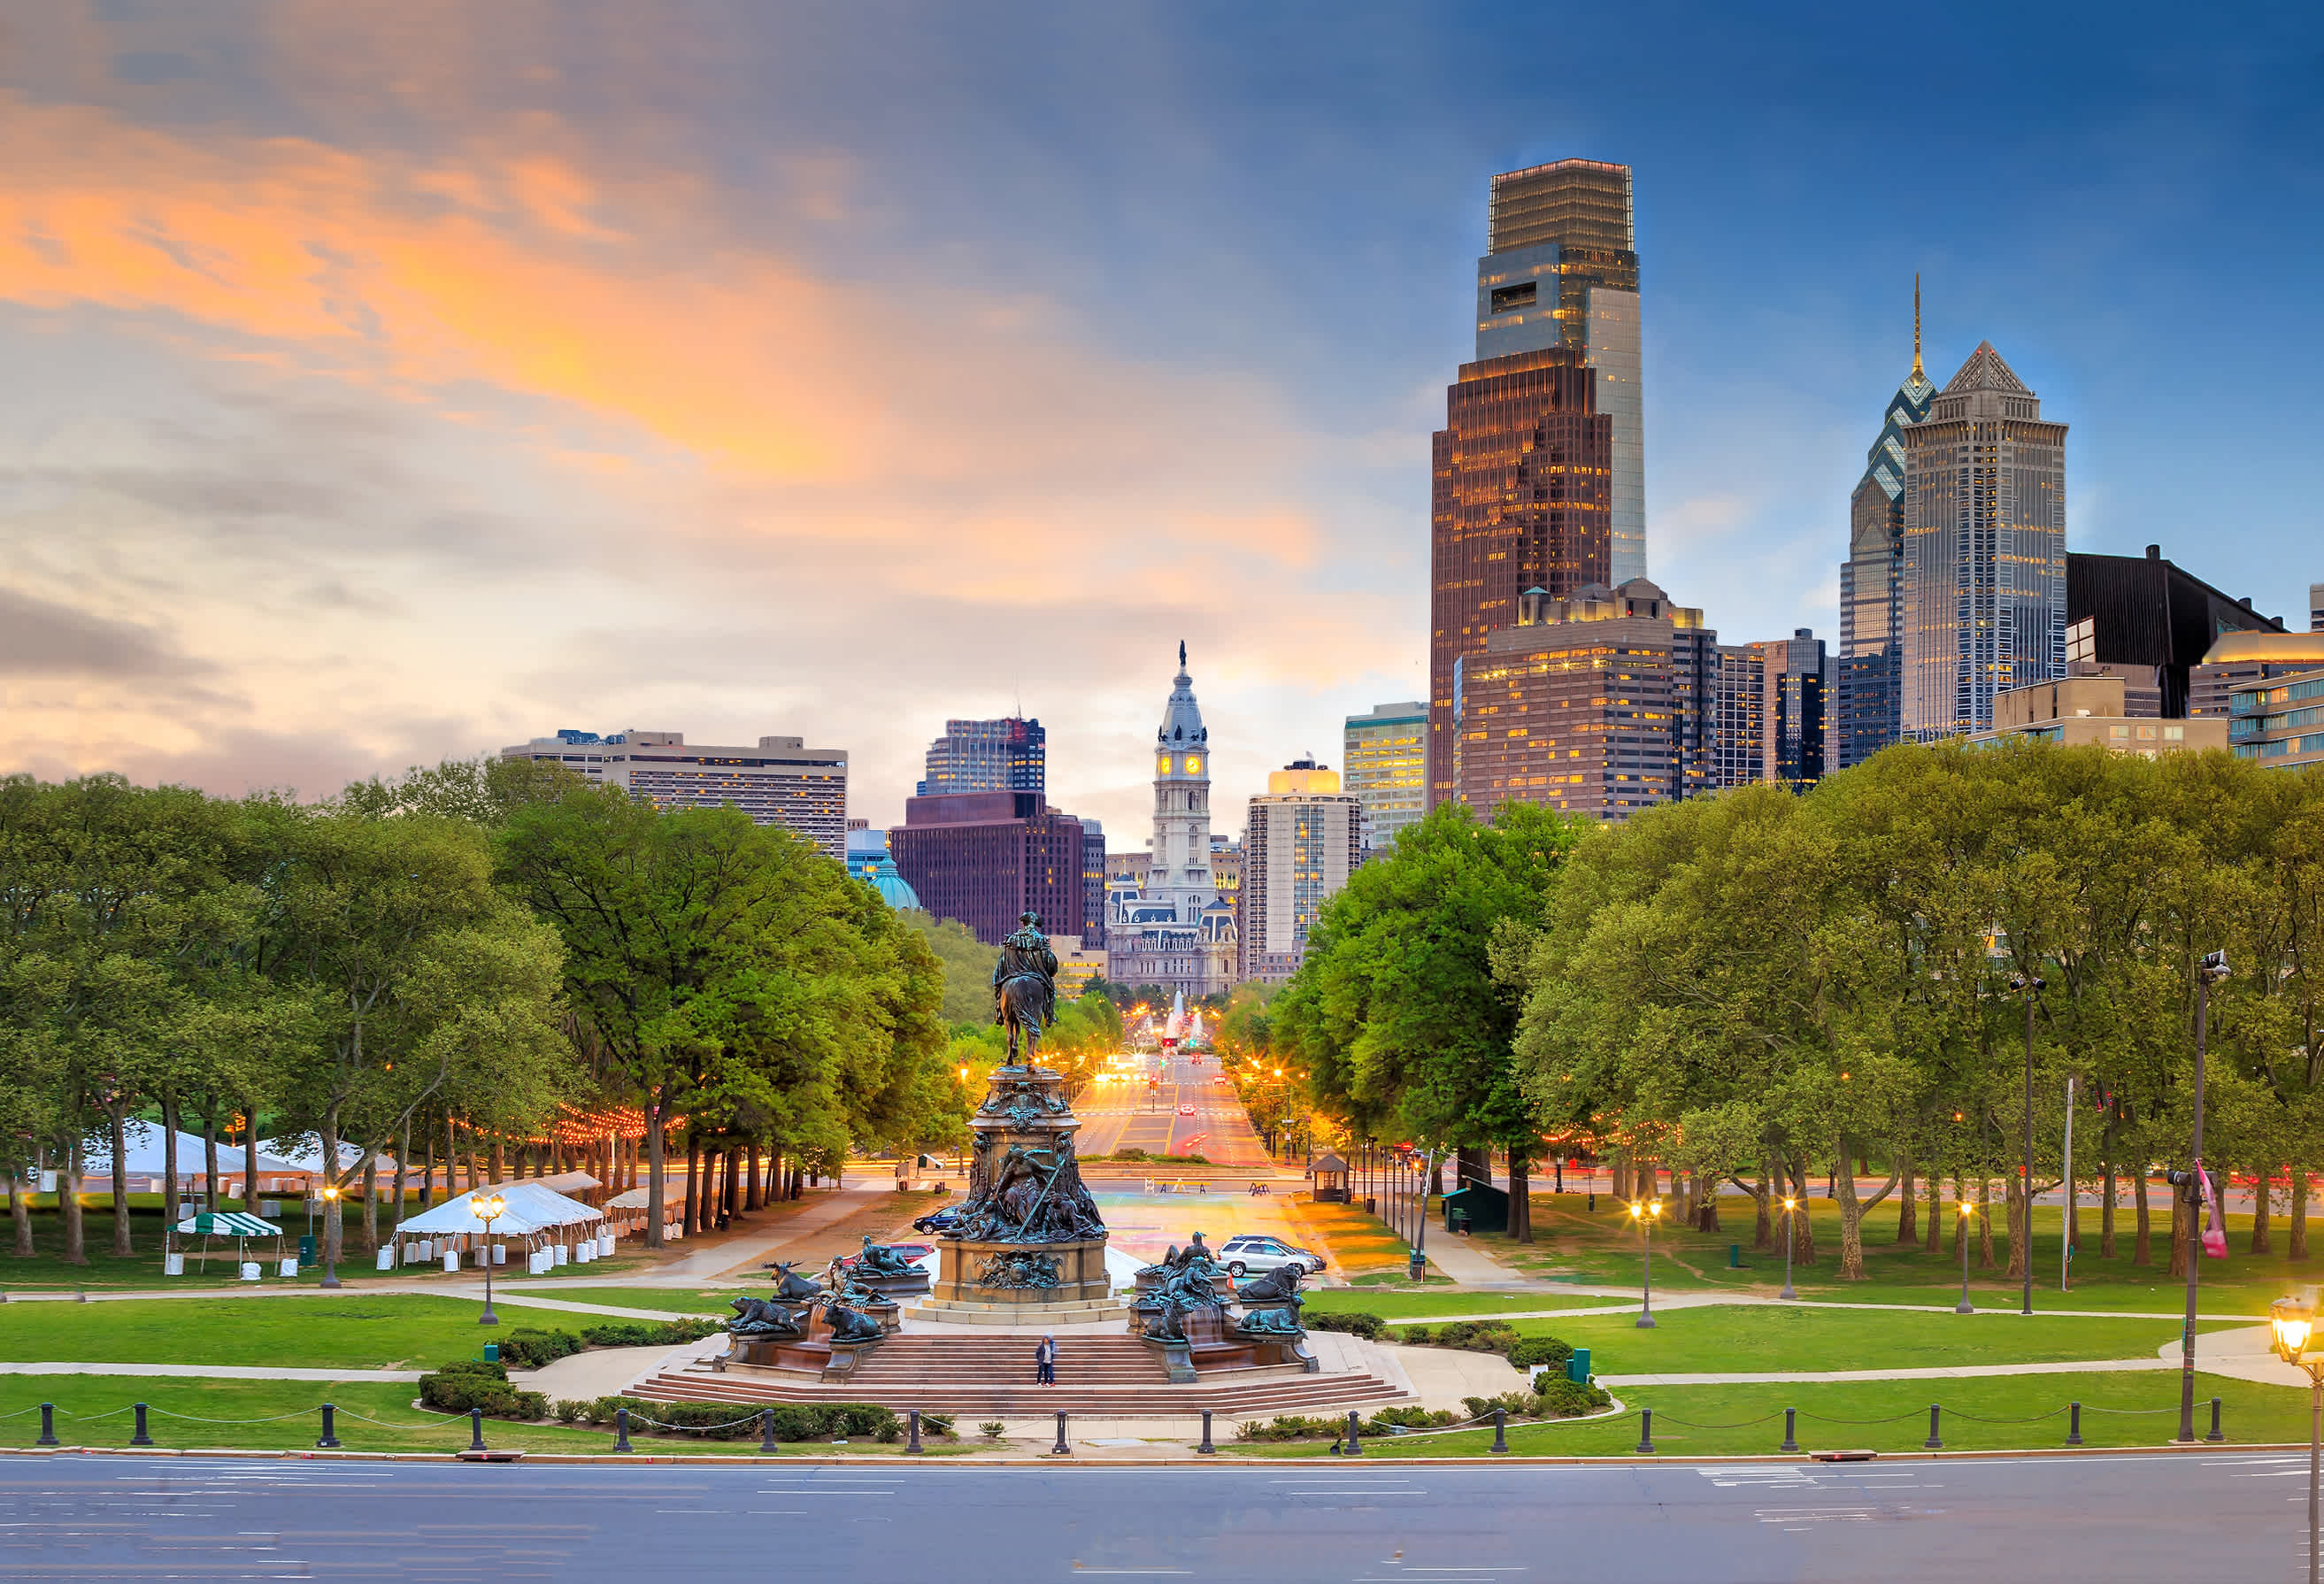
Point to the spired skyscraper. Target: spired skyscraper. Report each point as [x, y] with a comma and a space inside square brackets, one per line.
[1982, 601]
[1871, 680]
[1176, 931]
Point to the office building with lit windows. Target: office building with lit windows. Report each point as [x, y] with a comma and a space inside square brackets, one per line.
[1006, 755]
[1601, 704]
[1304, 838]
[2280, 722]
[2151, 622]
[1982, 599]
[1385, 760]
[982, 858]
[780, 782]
[1870, 675]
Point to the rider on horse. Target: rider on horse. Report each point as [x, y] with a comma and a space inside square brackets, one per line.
[1024, 986]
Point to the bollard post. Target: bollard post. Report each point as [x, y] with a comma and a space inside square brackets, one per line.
[1791, 1431]
[2215, 1434]
[330, 1438]
[1501, 1429]
[1206, 1448]
[1932, 1443]
[621, 1430]
[475, 1430]
[766, 1430]
[1353, 1446]
[1645, 1432]
[48, 1425]
[140, 1439]
[2073, 1424]
[1062, 1448]
[913, 1445]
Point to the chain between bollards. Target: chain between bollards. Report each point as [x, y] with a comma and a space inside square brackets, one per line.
[1206, 1448]
[766, 1430]
[1645, 1432]
[48, 1425]
[621, 1430]
[1791, 1431]
[1063, 1448]
[140, 1439]
[475, 1430]
[331, 1437]
[2073, 1424]
[1934, 1443]
[1501, 1429]
[913, 1444]
[2215, 1434]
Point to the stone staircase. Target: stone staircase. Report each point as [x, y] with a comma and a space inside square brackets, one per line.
[1115, 1376]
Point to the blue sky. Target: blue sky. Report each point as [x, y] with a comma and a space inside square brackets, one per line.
[403, 382]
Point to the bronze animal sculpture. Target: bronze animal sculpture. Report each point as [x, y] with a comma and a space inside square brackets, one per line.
[766, 1317]
[794, 1289]
[1282, 1282]
[850, 1326]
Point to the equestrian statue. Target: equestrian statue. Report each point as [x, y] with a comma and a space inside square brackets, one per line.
[1025, 989]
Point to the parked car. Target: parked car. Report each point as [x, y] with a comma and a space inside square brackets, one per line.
[937, 1220]
[1252, 1253]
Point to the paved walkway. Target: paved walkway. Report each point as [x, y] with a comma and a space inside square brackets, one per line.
[1471, 1265]
[745, 1252]
[1949, 1372]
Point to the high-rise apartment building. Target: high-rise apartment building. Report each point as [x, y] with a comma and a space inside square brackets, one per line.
[1386, 758]
[1870, 669]
[1520, 501]
[2316, 607]
[1006, 755]
[1983, 597]
[1599, 704]
[1738, 740]
[1304, 838]
[780, 782]
[2237, 661]
[1560, 269]
[986, 857]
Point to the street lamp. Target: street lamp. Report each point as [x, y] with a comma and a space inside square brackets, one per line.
[1964, 1306]
[2031, 988]
[1791, 1236]
[1647, 1212]
[2208, 972]
[2293, 1320]
[331, 1235]
[487, 1208]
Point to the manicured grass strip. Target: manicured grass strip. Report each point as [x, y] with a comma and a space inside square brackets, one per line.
[709, 1301]
[1392, 1304]
[386, 1331]
[2126, 1410]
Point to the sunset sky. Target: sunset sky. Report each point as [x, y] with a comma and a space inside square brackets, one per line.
[384, 383]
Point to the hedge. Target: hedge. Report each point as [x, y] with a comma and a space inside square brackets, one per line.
[473, 1383]
[1357, 1322]
[719, 1421]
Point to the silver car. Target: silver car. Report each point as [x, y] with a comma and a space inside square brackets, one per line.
[1252, 1253]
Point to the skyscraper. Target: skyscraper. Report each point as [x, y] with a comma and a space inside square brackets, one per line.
[1794, 709]
[1983, 595]
[1560, 269]
[986, 857]
[1006, 755]
[1871, 670]
[1304, 838]
[1386, 756]
[1520, 500]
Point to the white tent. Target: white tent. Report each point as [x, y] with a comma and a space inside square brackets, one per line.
[146, 1157]
[305, 1153]
[531, 1207]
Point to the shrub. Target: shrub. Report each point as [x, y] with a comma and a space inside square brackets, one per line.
[1516, 1404]
[1567, 1399]
[569, 1411]
[649, 1334]
[1530, 1352]
[1409, 1418]
[935, 1424]
[732, 1422]
[1357, 1322]
[530, 1348]
[991, 1429]
[471, 1384]
[1477, 1336]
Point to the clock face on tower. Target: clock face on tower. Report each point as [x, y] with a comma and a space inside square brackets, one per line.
[1162, 765]
[1193, 764]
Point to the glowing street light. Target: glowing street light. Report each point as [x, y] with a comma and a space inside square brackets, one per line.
[1964, 1306]
[1647, 1212]
[2293, 1320]
[487, 1208]
[1791, 1236]
[330, 1235]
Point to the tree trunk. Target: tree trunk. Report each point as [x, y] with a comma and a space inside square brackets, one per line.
[2018, 1211]
[752, 1199]
[250, 1156]
[2296, 1247]
[1706, 1204]
[2261, 1190]
[1473, 1163]
[1984, 1222]
[1621, 1174]
[209, 1158]
[371, 1204]
[1763, 1223]
[169, 1160]
[2142, 1248]
[500, 1158]
[122, 1245]
[1520, 1197]
[727, 1206]
[2106, 1214]
[1908, 1229]
[1852, 1227]
[428, 1171]
[1803, 1252]
[1934, 1236]
[68, 1205]
[693, 1182]
[19, 1211]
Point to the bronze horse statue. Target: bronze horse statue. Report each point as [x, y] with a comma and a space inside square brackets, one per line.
[1025, 989]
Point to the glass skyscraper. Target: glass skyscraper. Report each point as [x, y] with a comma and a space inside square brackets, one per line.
[1871, 670]
[1982, 599]
[1386, 760]
[1007, 755]
[1560, 269]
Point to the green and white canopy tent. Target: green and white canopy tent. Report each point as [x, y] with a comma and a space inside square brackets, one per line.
[238, 1225]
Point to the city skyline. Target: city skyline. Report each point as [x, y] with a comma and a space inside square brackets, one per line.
[315, 473]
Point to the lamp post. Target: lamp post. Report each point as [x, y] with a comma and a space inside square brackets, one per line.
[1791, 1236]
[1964, 1306]
[2208, 972]
[487, 1208]
[2293, 1320]
[331, 1235]
[1647, 1212]
[2030, 989]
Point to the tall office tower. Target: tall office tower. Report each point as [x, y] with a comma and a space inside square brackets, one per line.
[1523, 470]
[1304, 838]
[1092, 924]
[1983, 597]
[1006, 755]
[986, 857]
[1738, 744]
[1598, 704]
[1792, 709]
[1870, 668]
[1386, 760]
[2316, 607]
[778, 783]
[1560, 269]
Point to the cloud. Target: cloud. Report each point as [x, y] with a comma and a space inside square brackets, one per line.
[39, 638]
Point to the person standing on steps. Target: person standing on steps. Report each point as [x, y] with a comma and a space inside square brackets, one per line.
[1045, 1362]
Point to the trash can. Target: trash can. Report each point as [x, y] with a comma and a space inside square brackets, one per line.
[306, 1248]
[290, 1267]
[173, 1265]
[1456, 1222]
[1577, 1368]
[492, 1352]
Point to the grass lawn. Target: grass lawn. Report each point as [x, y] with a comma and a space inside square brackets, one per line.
[1603, 1248]
[2126, 1410]
[706, 1301]
[400, 1331]
[1397, 1303]
[95, 1410]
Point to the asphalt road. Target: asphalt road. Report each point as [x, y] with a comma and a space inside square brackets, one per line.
[2123, 1520]
[1128, 1114]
